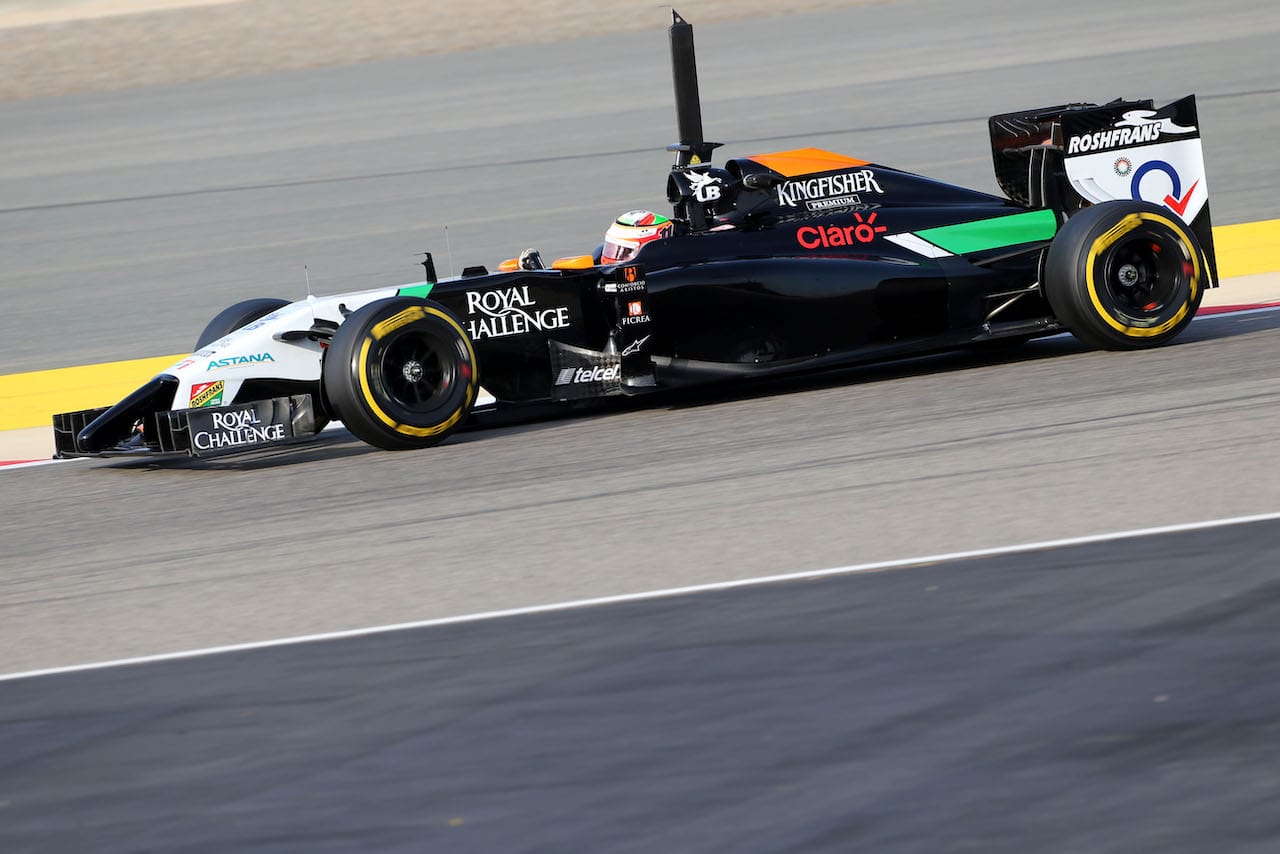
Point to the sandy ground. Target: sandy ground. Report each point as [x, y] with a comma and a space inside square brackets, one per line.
[1245, 290]
[33, 443]
[58, 47]
[32, 12]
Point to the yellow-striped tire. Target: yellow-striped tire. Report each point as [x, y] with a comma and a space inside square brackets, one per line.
[401, 373]
[1125, 275]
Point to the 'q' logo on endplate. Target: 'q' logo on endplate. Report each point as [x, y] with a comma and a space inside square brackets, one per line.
[1175, 200]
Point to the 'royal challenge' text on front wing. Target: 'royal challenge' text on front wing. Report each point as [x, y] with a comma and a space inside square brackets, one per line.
[234, 429]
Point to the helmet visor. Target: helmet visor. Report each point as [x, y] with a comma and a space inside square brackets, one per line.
[615, 253]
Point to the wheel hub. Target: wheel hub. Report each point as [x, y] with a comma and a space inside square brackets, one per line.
[413, 371]
[1128, 275]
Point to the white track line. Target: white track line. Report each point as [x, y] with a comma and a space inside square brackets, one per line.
[1240, 312]
[656, 594]
[30, 464]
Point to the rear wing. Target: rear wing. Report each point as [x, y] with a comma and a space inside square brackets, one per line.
[1072, 155]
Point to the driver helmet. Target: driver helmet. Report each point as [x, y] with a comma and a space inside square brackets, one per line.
[630, 232]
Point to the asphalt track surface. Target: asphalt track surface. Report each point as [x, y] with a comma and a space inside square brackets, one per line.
[123, 229]
[1112, 697]
[109, 559]
[127, 220]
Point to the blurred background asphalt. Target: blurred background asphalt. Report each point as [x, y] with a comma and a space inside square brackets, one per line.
[57, 47]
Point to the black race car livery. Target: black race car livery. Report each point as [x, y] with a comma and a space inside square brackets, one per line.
[779, 262]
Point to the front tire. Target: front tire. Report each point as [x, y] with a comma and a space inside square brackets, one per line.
[1125, 275]
[400, 373]
[233, 317]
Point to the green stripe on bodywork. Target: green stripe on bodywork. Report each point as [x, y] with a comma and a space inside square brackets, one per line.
[986, 234]
[422, 291]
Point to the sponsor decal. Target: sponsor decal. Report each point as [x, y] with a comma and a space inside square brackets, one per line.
[635, 314]
[624, 287]
[828, 191]
[833, 236]
[239, 361]
[234, 429]
[807, 216]
[832, 204]
[634, 346]
[510, 311]
[578, 373]
[1135, 127]
[706, 188]
[592, 374]
[184, 364]
[1170, 174]
[260, 322]
[207, 394]
[1176, 200]
[631, 282]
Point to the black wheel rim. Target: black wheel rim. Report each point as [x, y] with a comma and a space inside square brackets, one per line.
[1146, 275]
[416, 373]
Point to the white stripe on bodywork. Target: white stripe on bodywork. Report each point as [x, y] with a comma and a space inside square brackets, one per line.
[918, 245]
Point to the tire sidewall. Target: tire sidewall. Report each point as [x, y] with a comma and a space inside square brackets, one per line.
[361, 395]
[1078, 258]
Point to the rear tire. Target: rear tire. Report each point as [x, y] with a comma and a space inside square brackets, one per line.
[233, 317]
[1125, 275]
[401, 373]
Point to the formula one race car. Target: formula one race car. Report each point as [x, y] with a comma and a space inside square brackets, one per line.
[775, 263]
